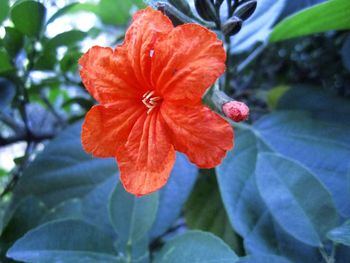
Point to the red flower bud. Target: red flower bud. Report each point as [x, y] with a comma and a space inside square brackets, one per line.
[236, 110]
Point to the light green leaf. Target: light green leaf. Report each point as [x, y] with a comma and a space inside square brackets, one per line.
[205, 211]
[331, 15]
[341, 234]
[295, 198]
[131, 216]
[64, 241]
[29, 17]
[196, 247]
[4, 10]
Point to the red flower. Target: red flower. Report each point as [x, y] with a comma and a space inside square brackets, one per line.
[150, 90]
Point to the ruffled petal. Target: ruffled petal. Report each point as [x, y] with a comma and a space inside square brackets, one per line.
[146, 160]
[198, 132]
[187, 62]
[147, 26]
[106, 128]
[107, 74]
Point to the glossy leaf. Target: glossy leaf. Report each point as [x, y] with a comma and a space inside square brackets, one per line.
[195, 246]
[295, 198]
[341, 234]
[65, 241]
[29, 17]
[131, 216]
[174, 194]
[331, 15]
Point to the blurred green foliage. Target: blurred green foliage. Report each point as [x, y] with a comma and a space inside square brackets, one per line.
[282, 195]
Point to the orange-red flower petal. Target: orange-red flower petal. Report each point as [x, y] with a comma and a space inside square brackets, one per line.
[107, 74]
[148, 25]
[106, 128]
[198, 132]
[187, 62]
[146, 160]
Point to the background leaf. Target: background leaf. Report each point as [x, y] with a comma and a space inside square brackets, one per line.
[26, 11]
[341, 234]
[331, 15]
[4, 9]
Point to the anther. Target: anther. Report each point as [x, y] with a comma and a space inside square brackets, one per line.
[149, 101]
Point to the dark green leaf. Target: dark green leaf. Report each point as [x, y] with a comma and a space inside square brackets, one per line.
[29, 17]
[195, 246]
[205, 211]
[331, 15]
[341, 234]
[295, 198]
[46, 61]
[5, 61]
[64, 241]
[13, 41]
[70, 62]
[4, 10]
[131, 216]
[83, 102]
[174, 194]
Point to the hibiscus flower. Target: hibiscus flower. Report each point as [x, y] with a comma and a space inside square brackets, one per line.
[149, 91]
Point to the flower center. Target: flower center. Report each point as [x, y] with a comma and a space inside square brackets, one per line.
[150, 101]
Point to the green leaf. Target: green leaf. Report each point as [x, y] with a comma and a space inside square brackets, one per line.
[341, 234]
[195, 246]
[68, 38]
[63, 171]
[13, 41]
[46, 61]
[70, 63]
[204, 211]
[331, 15]
[61, 12]
[263, 258]
[275, 94]
[28, 17]
[70, 209]
[4, 10]
[295, 198]
[131, 216]
[174, 194]
[5, 61]
[64, 241]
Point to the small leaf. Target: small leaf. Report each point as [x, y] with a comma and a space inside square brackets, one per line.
[13, 41]
[64, 241]
[195, 246]
[341, 234]
[28, 17]
[331, 15]
[131, 216]
[295, 198]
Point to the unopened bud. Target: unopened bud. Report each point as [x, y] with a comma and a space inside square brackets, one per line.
[236, 111]
[232, 26]
[246, 10]
[205, 9]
